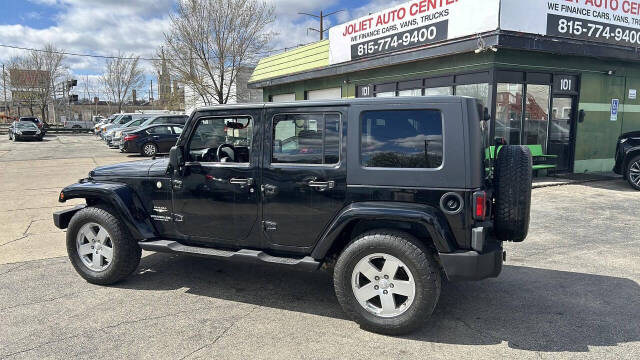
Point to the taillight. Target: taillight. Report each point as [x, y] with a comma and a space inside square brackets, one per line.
[131, 137]
[480, 205]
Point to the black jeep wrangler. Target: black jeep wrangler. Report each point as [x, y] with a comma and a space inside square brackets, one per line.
[394, 195]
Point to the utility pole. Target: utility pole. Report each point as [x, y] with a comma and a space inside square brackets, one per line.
[4, 87]
[151, 94]
[320, 17]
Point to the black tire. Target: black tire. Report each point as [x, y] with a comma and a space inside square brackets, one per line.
[513, 193]
[421, 263]
[142, 149]
[633, 163]
[126, 252]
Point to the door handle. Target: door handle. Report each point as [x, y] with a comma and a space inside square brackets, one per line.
[242, 182]
[322, 185]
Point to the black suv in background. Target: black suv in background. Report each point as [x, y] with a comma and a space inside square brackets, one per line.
[628, 158]
[394, 195]
[39, 123]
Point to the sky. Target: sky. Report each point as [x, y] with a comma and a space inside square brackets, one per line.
[104, 27]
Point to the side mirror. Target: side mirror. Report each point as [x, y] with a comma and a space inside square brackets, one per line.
[176, 159]
[581, 115]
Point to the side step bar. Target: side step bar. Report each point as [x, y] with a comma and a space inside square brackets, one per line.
[306, 263]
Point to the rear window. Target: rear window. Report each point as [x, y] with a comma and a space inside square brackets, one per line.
[409, 139]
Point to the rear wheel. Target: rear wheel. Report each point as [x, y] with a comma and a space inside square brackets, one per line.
[149, 149]
[387, 281]
[100, 248]
[513, 193]
[633, 173]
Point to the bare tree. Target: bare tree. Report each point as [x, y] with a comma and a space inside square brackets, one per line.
[210, 41]
[122, 74]
[34, 75]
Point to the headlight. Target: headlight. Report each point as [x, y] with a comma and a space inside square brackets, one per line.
[622, 141]
[19, 132]
[38, 132]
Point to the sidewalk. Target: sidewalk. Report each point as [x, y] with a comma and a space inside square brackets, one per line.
[568, 179]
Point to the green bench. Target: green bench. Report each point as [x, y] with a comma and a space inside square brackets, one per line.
[538, 156]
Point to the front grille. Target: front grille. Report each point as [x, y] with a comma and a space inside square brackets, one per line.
[28, 133]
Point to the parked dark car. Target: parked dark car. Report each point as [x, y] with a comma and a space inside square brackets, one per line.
[628, 158]
[151, 140]
[39, 123]
[22, 130]
[395, 195]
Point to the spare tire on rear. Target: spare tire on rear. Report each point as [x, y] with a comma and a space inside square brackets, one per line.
[513, 176]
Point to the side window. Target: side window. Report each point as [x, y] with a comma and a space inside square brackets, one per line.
[306, 139]
[410, 139]
[159, 130]
[161, 120]
[177, 130]
[233, 135]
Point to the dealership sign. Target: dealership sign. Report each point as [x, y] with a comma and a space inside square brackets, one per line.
[409, 25]
[607, 21]
[423, 22]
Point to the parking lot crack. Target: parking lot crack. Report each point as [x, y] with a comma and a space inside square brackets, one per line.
[47, 300]
[222, 334]
[12, 241]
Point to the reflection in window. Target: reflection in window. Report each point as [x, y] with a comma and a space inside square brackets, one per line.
[306, 139]
[478, 91]
[536, 118]
[509, 112]
[439, 91]
[401, 139]
[412, 92]
[386, 94]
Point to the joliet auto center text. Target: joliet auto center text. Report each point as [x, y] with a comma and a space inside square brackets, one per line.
[556, 73]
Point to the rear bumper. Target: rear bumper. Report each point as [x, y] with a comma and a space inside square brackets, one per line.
[472, 265]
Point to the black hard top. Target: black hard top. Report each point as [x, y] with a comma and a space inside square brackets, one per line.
[343, 102]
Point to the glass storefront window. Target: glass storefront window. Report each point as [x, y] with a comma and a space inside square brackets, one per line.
[536, 117]
[386, 94]
[509, 112]
[412, 92]
[478, 91]
[439, 91]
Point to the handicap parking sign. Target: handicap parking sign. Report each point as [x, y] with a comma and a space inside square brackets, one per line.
[615, 104]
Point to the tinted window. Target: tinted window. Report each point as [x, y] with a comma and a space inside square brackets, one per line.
[159, 130]
[177, 120]
[401, 139]
[177, 130]
[306, 139]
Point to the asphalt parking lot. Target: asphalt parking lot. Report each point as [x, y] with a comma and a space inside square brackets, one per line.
[571, 290]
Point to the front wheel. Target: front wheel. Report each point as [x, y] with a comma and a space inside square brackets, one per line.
[387, 281]
[149, 149]
[100, 248]
[633, 173]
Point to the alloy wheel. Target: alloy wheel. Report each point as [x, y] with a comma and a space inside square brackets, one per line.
[94, 247]
[383, 285]
[149, 149]
[634, 173]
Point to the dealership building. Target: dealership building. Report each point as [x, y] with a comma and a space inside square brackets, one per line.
[556, 73]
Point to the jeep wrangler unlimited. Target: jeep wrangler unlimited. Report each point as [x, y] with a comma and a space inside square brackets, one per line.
[394, 195]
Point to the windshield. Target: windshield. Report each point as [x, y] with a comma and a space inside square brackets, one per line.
[25, 125]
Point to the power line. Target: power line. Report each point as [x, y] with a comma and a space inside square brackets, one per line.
[114, 57]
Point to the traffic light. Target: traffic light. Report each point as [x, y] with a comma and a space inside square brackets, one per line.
[72, 83]
[73, 99]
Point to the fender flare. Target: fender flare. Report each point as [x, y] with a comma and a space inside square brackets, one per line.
[122, 198]
[427, 216]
